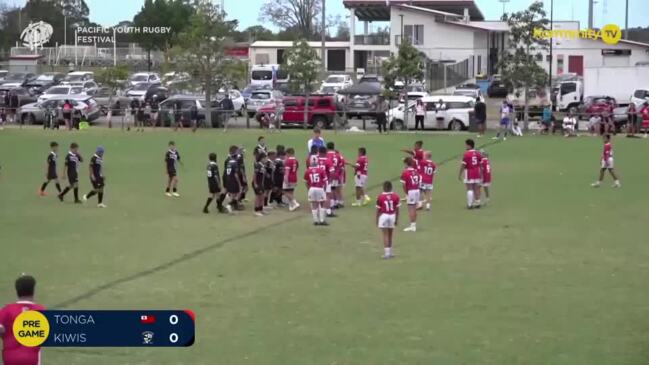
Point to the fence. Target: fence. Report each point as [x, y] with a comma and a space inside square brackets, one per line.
[440, 75]
[91, 55]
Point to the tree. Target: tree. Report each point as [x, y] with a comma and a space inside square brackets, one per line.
[161, 13]
[201, 46]
[407, 65]
[112, 77]
[254, 33]
[301, 62]
[298, 15]
[518, 64]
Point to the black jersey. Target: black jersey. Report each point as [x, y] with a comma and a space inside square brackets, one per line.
[269, 172]
[96, 167]
[259, 175]
[172, 157]
[72, 161]
[259, 149]
[241, 161]
[231, 169]
[278, 175]
[213, 173]
[51, 165]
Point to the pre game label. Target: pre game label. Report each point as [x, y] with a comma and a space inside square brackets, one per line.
[106, 328]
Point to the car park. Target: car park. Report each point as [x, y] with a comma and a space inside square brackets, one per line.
[597, 105]
[335, 83]
[44, 82]
[144, 77]
[375, 80]
[537, 100]
[139, 91]
[17, 79]
[107, 98]
[497, 89]
[640, 96]
[78, 76]
[24, 96]
[89, 87]
[413, 92]
[237, 100]
[470, 92]
[156, 92]
[260, 98]
[36, 113]
[450, 112]
[3, 73]
[248, 90]
[360, 106]
[184, 103]
[60, 90]
[321, 111]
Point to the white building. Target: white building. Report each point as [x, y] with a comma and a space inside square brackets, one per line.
[338, 57]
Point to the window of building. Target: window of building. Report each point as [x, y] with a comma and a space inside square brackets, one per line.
[262, 59]
[414, 33]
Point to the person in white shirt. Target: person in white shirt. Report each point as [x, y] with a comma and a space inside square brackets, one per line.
[420, 114]
[569, 123]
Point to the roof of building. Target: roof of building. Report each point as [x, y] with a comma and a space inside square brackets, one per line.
[494, 26]
[289, 44]
[379, 10]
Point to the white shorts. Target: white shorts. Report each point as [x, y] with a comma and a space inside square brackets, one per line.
[485, 185]
[471, 181]
[426, 187]
[317, 195]
[387, 220]
[360, 180]
[608, 164]
[327, 188]
[335, 183]
[413, 197]
[289, 186]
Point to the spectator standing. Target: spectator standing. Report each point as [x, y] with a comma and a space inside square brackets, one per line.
[67, 114]
[154, 111]
[546, 121]
[228, 107]
[505, 116]
[607, 122]
[139, 117]
[645, 118]
[569, 125]
[480, 115]
[632, 121]
[14, 103]
[420, 114]
[381, 119]
[316, 140]
[177, 117]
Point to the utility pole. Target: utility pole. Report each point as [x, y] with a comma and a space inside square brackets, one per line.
[590, 13]
[323, 33]
[626, 21]
[504, 2]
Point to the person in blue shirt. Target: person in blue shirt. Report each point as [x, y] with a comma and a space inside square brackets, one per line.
[316, 140]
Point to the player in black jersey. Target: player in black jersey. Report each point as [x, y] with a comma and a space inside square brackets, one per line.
[278, 177]
[213, 184]
[269, 169]
[242, 172]
[172, 159]
[259, 182]
[231, 180]
[97, 178]
[50, 173]
[72, 161]
[260, 148]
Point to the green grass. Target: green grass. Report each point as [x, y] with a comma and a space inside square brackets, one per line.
[552, 272]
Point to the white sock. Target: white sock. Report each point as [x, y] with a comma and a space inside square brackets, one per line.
[427, 205]
[358, 201]
[386, 251]
[413, 225]
[328, 211]
[314, 212]
[469, 198]
[322, 214]
[367, 197]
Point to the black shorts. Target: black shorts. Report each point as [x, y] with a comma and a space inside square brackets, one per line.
[51, 175]
[213, 187]
[73, 179]
[98, 184]
[258, 190]
[232, 187]
[172, 173]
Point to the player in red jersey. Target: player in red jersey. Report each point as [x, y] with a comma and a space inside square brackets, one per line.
[607, 164]
[342, 180]
[417, 153]
[427, 170]
[291, 166]
[411, 180]
[485, 171]
[470, 173]
[360, 178]
[13, 353]
[326, 165]
[387, 216]
[316, 181]
[334, 177]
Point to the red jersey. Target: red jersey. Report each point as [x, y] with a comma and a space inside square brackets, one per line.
[471, 162]
[410, 179]
[608, 151]
[326, 165]
[361, 165]
[334, 160]
[485, 167]
[388, 203]
[418, 154]
[290, 170]
[315, 177]
[12, 351]
[427, 170]
[343, 171]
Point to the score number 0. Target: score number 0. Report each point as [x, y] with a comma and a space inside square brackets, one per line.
[173, 337]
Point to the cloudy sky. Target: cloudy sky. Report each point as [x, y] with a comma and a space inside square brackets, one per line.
[606, 11]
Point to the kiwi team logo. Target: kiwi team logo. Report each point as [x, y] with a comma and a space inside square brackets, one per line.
[36, 35]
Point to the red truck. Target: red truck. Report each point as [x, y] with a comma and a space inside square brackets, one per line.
[320, 113]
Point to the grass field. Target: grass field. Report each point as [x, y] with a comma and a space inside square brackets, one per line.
[552, 272]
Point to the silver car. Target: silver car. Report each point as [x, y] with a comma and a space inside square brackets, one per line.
[36, 113]
[260, 98]
[106, 98]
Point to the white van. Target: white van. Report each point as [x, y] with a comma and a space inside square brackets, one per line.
[442, 112]
[268, 75]
[640, 96]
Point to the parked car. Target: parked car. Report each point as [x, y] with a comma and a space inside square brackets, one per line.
[78, 76]
[470, 92]
[237, 100]
[17, 79]
[335, 83]
[469, 86]
[157, 92]
[172, 79]
[640, 96]
[372, 79]
[537, 100]
[184, 103]
[3, 74]
[24, 96]
[44, 82]
[413, 92]
[260, 98]
[497, 89]
[144, 77]
[89, 87]
[360, 106]
[450, 112]
[248, 90]
[596, 105]
[321, 110]
[106, 98]
[56, 91]
[139, 91]
[35, 113]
